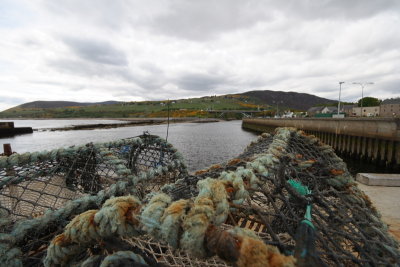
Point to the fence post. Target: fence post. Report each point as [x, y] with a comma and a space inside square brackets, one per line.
[7, 149]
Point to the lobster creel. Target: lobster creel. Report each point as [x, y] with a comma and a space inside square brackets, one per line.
[287, 200]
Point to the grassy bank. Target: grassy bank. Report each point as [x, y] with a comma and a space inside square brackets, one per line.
[194, 107]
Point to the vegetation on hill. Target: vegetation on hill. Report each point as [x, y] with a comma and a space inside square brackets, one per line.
[292, 100]
[62, 104]
[263, 101]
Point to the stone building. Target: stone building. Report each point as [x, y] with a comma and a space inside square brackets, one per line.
[366, 111]
[347, 109]
[390, 107]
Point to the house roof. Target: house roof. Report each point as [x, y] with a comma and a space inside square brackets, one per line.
[315, 109]
[391, 101]
[331, 108]
[348, 107]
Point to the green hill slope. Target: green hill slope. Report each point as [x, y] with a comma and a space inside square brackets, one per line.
[199, 107]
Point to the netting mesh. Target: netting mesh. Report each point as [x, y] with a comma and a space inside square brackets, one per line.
[164, 254]
[346, 230]
[36, 185]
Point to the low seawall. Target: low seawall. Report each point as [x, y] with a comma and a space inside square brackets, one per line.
[6, 132]
[7, 129]
[372, 140]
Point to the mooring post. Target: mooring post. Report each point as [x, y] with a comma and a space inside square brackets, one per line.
[348, 145]
[364, 148]
[397, 155]
[376, 151]
[361, 147]
[11, 172]
[382, 152]
[369, 150]
[354, 146]
[339, 143]
[390, 153]
[7, 149]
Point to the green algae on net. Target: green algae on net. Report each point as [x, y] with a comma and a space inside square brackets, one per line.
[133, 202]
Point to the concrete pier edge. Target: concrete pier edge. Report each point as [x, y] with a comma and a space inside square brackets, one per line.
[371, 140]
[380, 179]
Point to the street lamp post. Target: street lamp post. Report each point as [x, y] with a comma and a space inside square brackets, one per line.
[362, 93]
[277, 107]
[340, 91]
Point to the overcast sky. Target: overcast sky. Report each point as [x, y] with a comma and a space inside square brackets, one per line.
[98, 50]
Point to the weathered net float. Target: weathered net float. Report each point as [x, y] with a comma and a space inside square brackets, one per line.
[287, 200]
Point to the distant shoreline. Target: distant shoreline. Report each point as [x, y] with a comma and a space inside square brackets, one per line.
[129, 122]
[116, 119]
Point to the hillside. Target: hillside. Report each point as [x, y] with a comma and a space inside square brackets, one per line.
[299, 101]
[62, 104]
[265, 101]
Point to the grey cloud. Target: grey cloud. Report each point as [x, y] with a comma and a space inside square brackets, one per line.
[317, 9]
[11, 101]
[202, 20]
[47, 82]
[115, 16]
[326, 89]
[135, 91]
[152, 78]
[392, 87]
[32, 42]
[151, 68]
[233, 46]
[71, 86]
[78, 67]
[188, 84]
[206, 19]
[96, 51]
[99, 12]
[198, 20]
[200, 82]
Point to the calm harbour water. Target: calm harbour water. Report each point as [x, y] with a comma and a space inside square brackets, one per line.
[202, 144]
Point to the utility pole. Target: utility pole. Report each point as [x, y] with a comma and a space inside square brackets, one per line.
[362, 93]
[277, 107]
[340, 91]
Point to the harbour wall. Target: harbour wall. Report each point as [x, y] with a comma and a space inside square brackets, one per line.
[371, 140]
[7, 129]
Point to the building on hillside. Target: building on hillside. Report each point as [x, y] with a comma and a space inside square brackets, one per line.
[366, 111]
[311, 112]
[329, 110]
[347, 109]
[390, 107]
[321, 111]
[326, 111]
[288, 114]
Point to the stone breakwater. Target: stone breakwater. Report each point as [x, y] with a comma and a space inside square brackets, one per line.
[7, 129]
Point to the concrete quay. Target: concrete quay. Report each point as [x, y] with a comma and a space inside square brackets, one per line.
[378, 179]
[386, 200]
[383, 128]
[374, 140]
